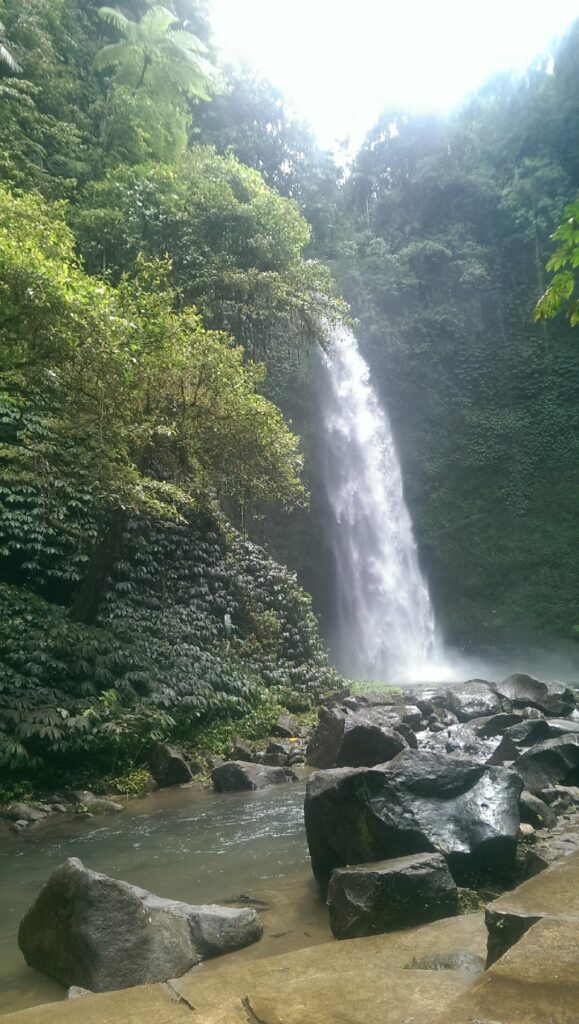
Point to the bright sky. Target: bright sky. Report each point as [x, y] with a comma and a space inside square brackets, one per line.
[339, 62]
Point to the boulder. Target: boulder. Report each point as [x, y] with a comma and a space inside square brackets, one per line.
[536, 812]
[523, 691]
[372, 699]
[23, 812]
[473, 699]
[286, 725]
[168, 766]
[390, 894]
[355, 738]
[550, 762]
[518, 738]
[232, 776]
[279, 747]
[93, 803]
[96, 932]
[241, 751]
[466, 739]
[419, 802]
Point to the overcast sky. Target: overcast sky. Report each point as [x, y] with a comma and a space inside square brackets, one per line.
[339, 64]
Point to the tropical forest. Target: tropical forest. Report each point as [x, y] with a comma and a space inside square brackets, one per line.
[289, 518]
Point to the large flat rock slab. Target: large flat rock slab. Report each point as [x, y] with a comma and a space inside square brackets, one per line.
[552, 894]
[147, 1004]
[536, 982]
[358, 981]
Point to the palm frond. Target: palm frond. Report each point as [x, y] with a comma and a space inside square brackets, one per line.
[112, 54]
[10, 61]
[187, 42]
[157, 21]
[116, 17]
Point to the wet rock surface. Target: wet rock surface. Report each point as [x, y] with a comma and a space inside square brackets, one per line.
[95, 932]
[233, 776]
[523, 690]
[547, 763]
[418, 802]
[371, 734]
[473, 699]
[168, 766]
[391, 894]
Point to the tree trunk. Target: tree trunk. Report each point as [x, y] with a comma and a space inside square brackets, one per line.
[91, 592]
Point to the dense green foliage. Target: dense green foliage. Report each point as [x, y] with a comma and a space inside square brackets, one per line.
[130, 415]
[168, 235]
[564, 261]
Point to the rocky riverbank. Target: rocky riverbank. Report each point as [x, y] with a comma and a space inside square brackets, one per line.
[419, 796]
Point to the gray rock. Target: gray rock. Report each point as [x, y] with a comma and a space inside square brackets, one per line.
[233, 776]
[100, 933]
[355, 738]
[523, 691]
[412, 716]
[94, 804]
[75, 992]
[496, 725]
[279, 747]
[18, 826]
[59, 808]
[371, 699]
[460, 961]
[528, 733]
[563, 797]
[535, 812]
[273, 760]
[390, 894]
[168, 766]
[419, 802]
[286, 726]
[24, 812]
[550, 762]
[473, 699]
[241, 751]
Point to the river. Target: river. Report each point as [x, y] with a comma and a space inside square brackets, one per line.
[180, 843]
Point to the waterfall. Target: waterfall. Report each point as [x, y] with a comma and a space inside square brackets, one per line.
[385, 617]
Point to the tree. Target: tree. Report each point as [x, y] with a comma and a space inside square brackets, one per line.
[236, 247]
[157, 68]
[564, 262]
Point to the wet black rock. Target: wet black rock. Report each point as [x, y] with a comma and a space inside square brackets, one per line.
[419, 802]
[473, 699]
[390, 894]
[99, 933]
[518, 738]
[523, 690]
[536, 812]
[168, 766]
[548, 763]
[355, 738]
[232, 776]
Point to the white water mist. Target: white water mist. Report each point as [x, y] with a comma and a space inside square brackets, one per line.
[386, 622]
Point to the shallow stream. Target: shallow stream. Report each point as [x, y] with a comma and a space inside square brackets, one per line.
[184, 844]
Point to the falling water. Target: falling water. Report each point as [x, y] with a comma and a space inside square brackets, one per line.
[386, 620]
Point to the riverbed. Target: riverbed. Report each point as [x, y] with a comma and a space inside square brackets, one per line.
[183, 844]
